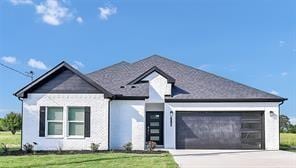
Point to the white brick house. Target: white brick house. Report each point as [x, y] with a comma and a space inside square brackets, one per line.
[154, 99]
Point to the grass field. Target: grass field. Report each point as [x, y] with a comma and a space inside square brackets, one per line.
[12, 141]
[288, 141]
[106, 159]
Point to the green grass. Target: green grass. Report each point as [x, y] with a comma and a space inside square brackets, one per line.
[288, 141]
[105, 160]
[12, 141]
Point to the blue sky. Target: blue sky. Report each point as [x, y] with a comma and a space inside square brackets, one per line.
[252, 42]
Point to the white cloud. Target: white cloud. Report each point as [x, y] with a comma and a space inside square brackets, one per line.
[204, 66]
[21, 2]
[37, 64]
[274, 92]
[9, 59]
[53, 12]
[77, 65]
[282, 43]
[80, 64]
[79, 19]
[293, 120]
[106, 12]
[284, 74]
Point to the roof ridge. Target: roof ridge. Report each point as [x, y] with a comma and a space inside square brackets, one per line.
[149, 57]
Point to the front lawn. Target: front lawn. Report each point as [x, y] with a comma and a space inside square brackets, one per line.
[288, 142]
[12, 141]
[104, 160]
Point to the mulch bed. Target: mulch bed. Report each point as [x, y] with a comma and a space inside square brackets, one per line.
[21, 153]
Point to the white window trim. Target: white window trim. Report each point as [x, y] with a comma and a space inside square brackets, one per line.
[46, 123]
[74, 121]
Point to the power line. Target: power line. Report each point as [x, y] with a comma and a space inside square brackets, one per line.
[27, 74]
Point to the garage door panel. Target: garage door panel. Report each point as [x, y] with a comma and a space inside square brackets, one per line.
[218, 130]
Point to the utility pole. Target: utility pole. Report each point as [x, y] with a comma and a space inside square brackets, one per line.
[29, 74]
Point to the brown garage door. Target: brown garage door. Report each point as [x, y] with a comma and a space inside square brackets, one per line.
[219, 130]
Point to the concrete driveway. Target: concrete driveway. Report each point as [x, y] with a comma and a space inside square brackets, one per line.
[234, 158]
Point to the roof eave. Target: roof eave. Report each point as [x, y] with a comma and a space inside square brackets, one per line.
[122, 97]
[227, 100]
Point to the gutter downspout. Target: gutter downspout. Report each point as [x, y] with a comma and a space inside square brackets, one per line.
[279, 121]
[109, 124]
[22, 112]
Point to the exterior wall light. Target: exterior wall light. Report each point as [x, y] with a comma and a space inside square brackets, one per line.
[171, 118]
[272, 113]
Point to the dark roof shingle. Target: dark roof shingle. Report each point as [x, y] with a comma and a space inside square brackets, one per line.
[190, 83]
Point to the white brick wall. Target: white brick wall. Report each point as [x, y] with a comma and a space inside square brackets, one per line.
[127, 119]
[271, 121]
[127, 123]
[272, 128]
[99, 120]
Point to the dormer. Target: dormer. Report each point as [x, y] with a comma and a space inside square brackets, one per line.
[160, 84]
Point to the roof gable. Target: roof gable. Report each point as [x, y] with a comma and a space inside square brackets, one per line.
[150, 71]
[65, 82]
[62, 79]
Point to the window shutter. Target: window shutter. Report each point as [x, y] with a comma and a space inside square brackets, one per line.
[42, 121]
[87, 122]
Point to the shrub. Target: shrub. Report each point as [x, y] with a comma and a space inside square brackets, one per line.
[4, 148]
[128, 146]
[94, 147]
[28, 148]
[151, 145]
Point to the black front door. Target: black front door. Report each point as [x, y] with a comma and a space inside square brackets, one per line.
[154, 127]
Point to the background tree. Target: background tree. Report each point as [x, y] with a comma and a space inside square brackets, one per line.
[284, 123]
[13, 122]
[292, 129]
[2, 125]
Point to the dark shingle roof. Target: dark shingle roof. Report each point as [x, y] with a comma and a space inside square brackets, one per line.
[190, 83]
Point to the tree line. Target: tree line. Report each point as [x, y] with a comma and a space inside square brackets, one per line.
[286, 126]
